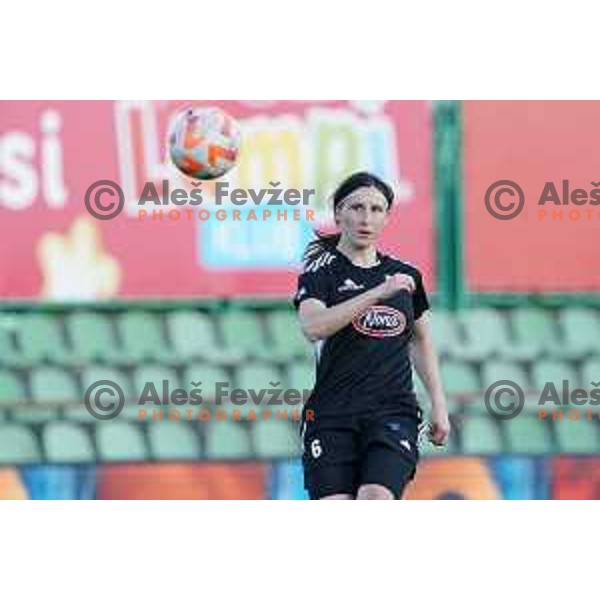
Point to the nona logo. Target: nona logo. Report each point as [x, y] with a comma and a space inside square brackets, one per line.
[380, 321]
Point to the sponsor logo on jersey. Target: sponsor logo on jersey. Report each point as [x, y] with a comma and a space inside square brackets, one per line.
[380, 321]
[350, 285]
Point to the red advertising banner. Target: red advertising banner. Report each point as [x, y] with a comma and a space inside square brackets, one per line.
[52, 152]
[550, 151]
[576, 478]
[182, 482]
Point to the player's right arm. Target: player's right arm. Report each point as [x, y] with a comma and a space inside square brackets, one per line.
[319, 321]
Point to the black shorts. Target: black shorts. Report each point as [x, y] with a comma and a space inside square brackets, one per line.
[339, 454]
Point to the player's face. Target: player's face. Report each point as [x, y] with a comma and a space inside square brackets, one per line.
[362, 215]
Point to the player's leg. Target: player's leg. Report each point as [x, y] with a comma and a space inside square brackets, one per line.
[338, 497]
[338, 482]
[389, 457]
[330, 459]
[374, 491]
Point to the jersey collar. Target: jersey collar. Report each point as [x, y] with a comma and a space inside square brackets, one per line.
[380, 259]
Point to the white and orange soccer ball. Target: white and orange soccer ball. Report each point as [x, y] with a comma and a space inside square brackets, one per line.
[204, 142]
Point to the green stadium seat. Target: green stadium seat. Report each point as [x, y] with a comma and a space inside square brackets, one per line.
[577, 437]
[532, 403]
[143, 340]
[146, 400]
[120, 442]
[445, 333]
[530, 409]
[300, 376]
[14, 395]
[256, 377]
[486, 335]
[94, 339]
[129, 412]
[242, 329]
[96, 373]
[580, 333]
[553, 370]
[590, 373]
[480, 435]
[459, 378]
[156, 374]
[51, 385]
[194, 337]
[209, 376]
[498, 370]
[527, 434]
[227, 440]
[276, 439]
[18, 445]
[535, 334]
[10, 356]
[236, 411]
[12, 389]
[173, 440]
[245, 408]
[32, 414]
[41, 340]
[287, 338]
[67, 443]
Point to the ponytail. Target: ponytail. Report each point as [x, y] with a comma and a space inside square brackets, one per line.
[323, 243]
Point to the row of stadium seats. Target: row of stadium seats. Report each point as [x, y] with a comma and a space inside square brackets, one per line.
[522, 334]
[55, 385]
[48, 361]
[462, 378]
[48, 385]
[170, 338]
[81, 439]
[129, 441]
[175, 337]
[569, 429]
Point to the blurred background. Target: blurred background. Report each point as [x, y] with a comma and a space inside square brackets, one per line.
[130, 301]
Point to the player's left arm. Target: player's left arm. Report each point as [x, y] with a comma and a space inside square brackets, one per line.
[426, 363]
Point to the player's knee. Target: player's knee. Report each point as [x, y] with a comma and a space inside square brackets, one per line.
[337, 497]
[374, 491]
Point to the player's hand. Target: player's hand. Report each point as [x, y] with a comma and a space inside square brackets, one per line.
[439, 430]
[394, 283]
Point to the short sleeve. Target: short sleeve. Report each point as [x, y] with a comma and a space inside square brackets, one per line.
[311, 284]
[420, 300]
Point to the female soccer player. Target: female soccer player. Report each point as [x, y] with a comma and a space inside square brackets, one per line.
[367, 314]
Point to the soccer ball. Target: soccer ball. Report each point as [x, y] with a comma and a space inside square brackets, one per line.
[204, 142]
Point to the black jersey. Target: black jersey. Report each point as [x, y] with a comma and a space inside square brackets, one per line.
[365, 366]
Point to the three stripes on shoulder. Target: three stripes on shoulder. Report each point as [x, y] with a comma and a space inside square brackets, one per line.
[324, 259]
